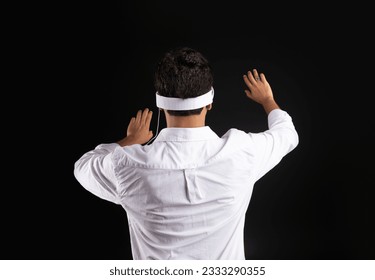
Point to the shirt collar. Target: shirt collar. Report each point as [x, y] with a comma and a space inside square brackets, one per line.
[186, 134]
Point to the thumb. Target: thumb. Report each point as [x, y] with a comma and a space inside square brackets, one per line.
[248, 94]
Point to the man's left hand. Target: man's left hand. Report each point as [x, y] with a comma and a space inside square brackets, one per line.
[138, 129]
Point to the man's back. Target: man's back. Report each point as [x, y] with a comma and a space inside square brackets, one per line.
[186, 195]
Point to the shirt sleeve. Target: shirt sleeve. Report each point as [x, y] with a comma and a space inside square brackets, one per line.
[273, 144]
[95, 172]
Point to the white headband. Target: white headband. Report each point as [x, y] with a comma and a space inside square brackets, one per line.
[180, 104]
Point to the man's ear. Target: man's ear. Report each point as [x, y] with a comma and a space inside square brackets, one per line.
[209, 107]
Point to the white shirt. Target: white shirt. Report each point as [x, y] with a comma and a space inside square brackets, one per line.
[187, 193]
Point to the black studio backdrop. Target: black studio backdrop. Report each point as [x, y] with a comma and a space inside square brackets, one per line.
[316, 204]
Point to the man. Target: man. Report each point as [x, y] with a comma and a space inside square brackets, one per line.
[186, 194]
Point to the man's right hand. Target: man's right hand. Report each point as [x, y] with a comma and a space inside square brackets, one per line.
[260, 90]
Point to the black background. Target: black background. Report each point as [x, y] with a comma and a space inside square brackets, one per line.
[92, 68]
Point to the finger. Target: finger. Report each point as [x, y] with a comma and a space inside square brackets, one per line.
[251, 78]
[263, 78]
[131, 123]
[148, 118]
[247, 81]
[144, 115]
[248, 93]
[138, 116]
[256, 75]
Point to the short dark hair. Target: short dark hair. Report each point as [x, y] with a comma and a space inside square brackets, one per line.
[183, 73]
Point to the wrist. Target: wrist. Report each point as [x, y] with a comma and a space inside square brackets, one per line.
[269, 105]
[128, 140]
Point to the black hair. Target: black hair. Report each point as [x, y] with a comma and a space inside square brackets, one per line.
[183, 73]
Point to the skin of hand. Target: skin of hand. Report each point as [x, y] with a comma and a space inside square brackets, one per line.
[260, 90]
[138, 131]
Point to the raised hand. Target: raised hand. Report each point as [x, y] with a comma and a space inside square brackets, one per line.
[138, 131]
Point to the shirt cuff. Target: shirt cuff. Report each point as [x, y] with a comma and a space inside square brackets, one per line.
[277, 115]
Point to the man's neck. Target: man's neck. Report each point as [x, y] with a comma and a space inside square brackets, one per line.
[186, 121]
